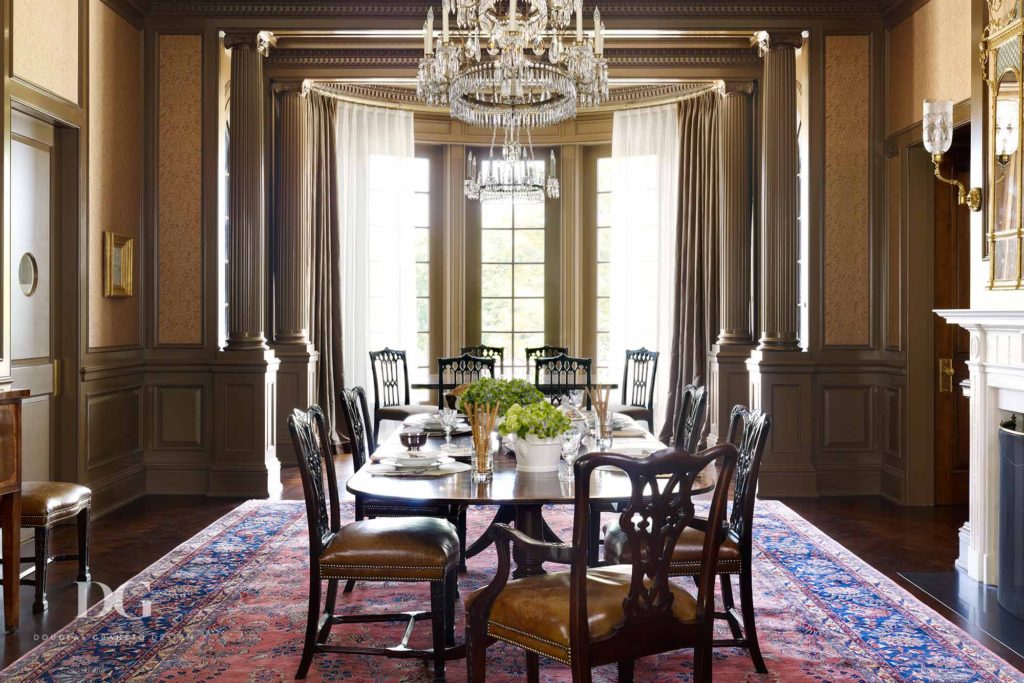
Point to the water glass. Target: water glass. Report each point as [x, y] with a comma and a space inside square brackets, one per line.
[449, 420]
[576, 398]
[571, 442]
[602, 430]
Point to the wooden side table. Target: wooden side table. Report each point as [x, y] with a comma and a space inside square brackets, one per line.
[10, 501]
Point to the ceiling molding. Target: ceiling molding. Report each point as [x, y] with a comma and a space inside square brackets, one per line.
[609, 8]
[326, 58]
[895, 11]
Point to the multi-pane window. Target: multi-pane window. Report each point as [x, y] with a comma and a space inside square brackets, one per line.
[421, 222]
[512, 278]
[604, 256]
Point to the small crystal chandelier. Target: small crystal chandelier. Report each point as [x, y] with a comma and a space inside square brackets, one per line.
[515, 178]
[482, 70]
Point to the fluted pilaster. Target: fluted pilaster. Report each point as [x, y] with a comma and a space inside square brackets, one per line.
[292, 286]
[734, 207]
[247, 258]
[779, 238]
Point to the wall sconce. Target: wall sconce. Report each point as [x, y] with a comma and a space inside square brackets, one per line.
[938, 137]
[1007, 137]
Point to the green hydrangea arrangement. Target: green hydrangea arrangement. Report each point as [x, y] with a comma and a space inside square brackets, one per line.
[505, 392]
[542, 419]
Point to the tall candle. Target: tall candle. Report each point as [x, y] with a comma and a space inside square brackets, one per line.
[512, 11]
[597, 30]
[426, 39]
[445, 9]
[579, 21]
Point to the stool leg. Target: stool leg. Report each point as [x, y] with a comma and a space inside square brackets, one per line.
[83, 546]
[42, 555]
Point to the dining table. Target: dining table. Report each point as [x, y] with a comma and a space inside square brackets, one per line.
[520, 495]
[429, 381]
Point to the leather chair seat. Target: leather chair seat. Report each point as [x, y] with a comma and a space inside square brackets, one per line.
[392, 549]
[44, 503]
[400, 413]
[533, 612]
[686, 557]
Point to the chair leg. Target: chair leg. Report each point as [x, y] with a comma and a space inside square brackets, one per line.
[626, 671]
[749, 628]
[349, 585]
[460, 530]
[329, 602]
[730, 606]
[532, 667]
[451, 597]
[376, 428]
[702, 663]
[42, 555]
[438, 612]
[312, 618]
[476, 650]
[83, 546]
[593, 551]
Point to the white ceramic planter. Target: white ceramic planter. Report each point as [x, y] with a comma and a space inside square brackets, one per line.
[536, 455]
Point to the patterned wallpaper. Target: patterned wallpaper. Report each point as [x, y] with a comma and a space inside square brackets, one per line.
[45, 45]
[931, 54]
[179, 190]
[847, 190]
[115, 166]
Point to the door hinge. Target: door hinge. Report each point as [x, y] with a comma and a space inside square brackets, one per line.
[946, 375]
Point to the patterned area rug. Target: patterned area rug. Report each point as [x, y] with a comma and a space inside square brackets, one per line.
[230, 605]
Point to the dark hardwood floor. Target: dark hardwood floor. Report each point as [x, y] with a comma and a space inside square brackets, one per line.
[125, 542]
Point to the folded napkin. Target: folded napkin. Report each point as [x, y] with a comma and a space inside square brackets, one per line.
[446, 469]
[629, 432]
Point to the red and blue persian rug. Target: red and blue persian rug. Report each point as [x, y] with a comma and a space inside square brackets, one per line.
[230, 605]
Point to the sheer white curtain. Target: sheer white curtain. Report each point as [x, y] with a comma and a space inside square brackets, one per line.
[375, 151]
[645, 168]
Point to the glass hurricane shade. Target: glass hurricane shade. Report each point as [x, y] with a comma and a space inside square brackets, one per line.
[938, 125]
[1007, 134]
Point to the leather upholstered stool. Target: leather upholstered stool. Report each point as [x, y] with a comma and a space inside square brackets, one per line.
[45, 505]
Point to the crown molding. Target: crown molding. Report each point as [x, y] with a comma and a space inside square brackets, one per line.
[895, 11]
[609, 8]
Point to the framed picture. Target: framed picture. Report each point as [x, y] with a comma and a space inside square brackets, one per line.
[117, 265]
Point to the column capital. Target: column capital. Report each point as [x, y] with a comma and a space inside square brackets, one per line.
[770, 40]
[260, 40]
[289, 88]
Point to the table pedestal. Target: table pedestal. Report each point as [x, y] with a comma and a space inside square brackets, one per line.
[530, 521]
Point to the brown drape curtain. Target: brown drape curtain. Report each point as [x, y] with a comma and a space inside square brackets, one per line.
[325, 316]
[695, 317]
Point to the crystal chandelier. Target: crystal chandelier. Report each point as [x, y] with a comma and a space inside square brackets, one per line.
[517, 177]
[490, 69]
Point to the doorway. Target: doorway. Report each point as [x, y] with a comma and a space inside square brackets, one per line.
[952, 342]
[36, 289]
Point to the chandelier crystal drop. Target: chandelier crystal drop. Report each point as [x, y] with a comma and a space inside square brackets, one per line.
[514, 63]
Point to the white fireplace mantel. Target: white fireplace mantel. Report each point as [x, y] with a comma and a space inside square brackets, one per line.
[996, 368]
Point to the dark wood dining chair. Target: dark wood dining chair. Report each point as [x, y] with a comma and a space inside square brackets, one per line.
[638, 376]
[457, 370]
[391, 397]
[413, 549]
[591, 616]
[693, 410]
[352, 403]
[558, 375]
[546, 351]
[484, 351]
[748, 431]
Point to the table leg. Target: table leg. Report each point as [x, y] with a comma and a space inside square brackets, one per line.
[530, 521]
[506, 514]
[10, 514]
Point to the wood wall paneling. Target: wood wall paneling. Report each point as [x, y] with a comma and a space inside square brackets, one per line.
[114, 425]
[179, 417]
[179, 190]
[847, 205]
[893, 256]
[847, 418]
[115, 169]
[45, 47]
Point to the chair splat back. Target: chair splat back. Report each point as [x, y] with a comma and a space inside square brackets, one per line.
[556, 375]
[311, 436]
[638, 389]
[546, 351]
[660, 507]
[692, 410]
[748, 431]
[351, 402]
[390, 378]
[484, 351]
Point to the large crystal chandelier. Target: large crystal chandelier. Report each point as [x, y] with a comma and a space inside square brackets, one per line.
[517, 177]
[491, 70]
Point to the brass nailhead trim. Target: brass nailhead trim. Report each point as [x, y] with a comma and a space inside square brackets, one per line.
[568, 650]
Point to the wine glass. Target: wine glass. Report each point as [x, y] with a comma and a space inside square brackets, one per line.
[449, 420]
[571, 442]
[576, 398]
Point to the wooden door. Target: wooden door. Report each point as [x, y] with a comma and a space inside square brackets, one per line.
[952, 343]
[34, 289]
